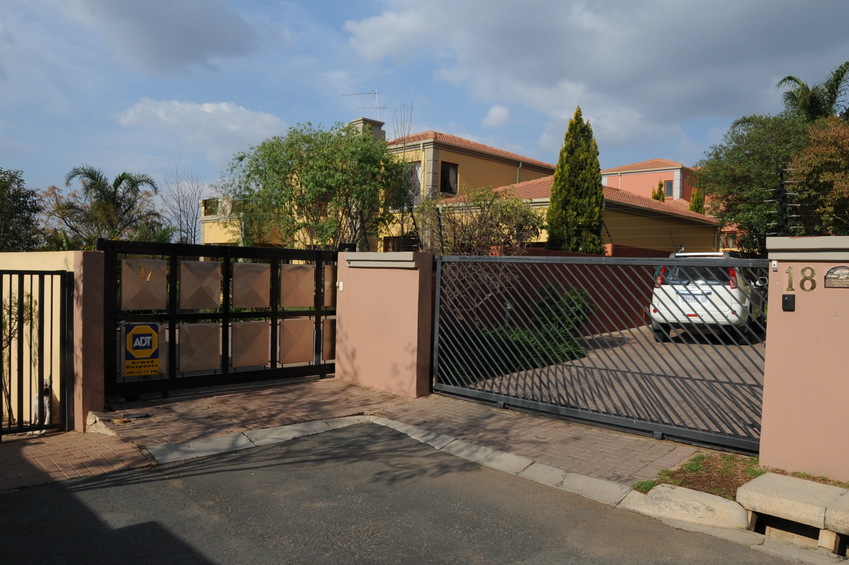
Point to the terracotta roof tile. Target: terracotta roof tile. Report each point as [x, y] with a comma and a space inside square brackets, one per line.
[541, 189]
[650, 165]
[447, 139]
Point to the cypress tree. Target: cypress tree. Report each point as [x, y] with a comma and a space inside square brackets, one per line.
[697, 201]
[576, 205]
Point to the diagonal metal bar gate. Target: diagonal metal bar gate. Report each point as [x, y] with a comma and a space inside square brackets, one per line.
[667, 346]
[181, 316]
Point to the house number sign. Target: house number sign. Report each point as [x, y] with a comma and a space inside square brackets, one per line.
[807, 283]
[836, 277]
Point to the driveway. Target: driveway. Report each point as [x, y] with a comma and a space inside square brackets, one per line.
[363, 494]
[699, 382]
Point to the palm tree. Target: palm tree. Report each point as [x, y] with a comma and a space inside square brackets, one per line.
[110, 210]
[818, 101]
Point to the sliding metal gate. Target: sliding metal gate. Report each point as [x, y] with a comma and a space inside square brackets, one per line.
[573, 336]
[181, 316]
[35, 338]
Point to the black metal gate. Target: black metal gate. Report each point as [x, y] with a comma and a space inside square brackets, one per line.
[35, 340]
[181, 316]
[615, 341]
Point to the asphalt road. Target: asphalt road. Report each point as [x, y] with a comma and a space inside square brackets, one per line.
[363, 494]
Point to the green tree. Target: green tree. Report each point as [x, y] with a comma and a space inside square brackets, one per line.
[820, 100]
[120, 209]
[820, 179]
[697, 201]
[19, 209]
[741, 173]
[659, 193]
[315, 187]
[479, 222]
[574, 217]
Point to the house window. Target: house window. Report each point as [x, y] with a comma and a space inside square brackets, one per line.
[415, 173]
[448, 178]
[667, 189]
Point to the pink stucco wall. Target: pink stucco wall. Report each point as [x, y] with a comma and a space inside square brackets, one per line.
[384, 319]
[806, 383]
[641, 184]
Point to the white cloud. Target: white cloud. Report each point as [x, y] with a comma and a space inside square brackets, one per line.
[221, 129]
[407, 32]
[497, 116]
[665, 61]
[165, 36]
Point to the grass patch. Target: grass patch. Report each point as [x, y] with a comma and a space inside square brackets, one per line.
[645, 486]
[721, 474]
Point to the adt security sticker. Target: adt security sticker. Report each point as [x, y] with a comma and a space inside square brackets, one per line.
[141, 349]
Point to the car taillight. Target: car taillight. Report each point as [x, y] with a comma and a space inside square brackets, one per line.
[732, 277]
[659, 280]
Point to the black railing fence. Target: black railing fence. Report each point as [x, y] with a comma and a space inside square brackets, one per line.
[35, 341]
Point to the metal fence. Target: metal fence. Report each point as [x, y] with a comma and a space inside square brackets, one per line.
[35, 338]
[674, 347]
[183, 316]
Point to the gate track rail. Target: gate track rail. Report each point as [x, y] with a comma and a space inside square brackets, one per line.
[585, 350]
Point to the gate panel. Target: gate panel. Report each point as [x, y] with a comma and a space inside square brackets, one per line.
[183, 316]
[35, 338]
[595, 339]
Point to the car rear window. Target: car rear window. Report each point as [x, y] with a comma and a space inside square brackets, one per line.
[704, 275]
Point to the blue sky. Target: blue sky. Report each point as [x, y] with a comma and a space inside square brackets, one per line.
[148, 86]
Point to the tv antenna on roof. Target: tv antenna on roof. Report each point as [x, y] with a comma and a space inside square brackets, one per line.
[376, 106]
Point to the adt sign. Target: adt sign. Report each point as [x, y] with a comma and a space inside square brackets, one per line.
[141, 349]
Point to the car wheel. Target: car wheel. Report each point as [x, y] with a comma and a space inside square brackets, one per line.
[661, 332]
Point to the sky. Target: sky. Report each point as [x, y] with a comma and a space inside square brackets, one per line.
[165, 86]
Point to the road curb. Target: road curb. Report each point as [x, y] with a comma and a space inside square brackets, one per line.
[686, 505]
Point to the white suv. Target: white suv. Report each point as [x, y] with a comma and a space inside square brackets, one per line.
[702, 295]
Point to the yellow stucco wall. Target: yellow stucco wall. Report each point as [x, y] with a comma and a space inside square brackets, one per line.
[657, 232]
[217, 231]
[475, 172]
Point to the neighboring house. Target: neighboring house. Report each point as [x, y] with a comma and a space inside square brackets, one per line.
[215, 228]
[642, 178]
[636, 221]
[444, 165]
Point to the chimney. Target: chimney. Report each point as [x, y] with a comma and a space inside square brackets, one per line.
[366, 125]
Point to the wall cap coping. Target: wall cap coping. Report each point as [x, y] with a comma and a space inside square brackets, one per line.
[377, 260]
[821, 248]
